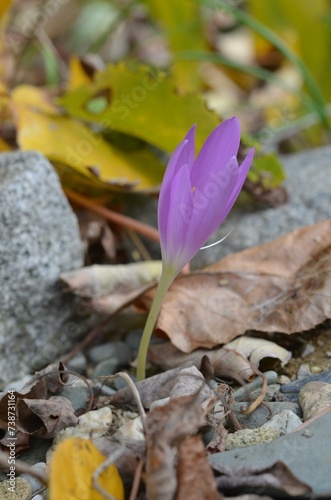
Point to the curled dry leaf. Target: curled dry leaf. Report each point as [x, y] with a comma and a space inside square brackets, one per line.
[159, 387]
[34, 389]
[233, 360]
[166, 427]
[281, 286]
[45, 418]
[113, 287]
[276, 479]
[236, 358]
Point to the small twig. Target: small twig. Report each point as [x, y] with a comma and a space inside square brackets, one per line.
[144, 253]
[35, 493]
[120, 219]
[135, 393]
[136, 479]
[23, 468]
[261, 397]
[110, 460]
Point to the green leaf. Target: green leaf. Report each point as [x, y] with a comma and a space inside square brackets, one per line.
[267, 170]
[142, 104]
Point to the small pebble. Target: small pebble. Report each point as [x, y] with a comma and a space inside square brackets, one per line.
[283, 379]
[104, 368]
[328, 354]
[271, 377]
[33, 481]
[262, 414]
[316, 369]
[292, 389]
[283, 423]
[116, 349]
[304, 371]
[77, 363]
[307, 350]
[271, 390]
[77, 393]
[314, 397]
[94, 423]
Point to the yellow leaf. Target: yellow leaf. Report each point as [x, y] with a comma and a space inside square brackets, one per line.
[299, 22]
[4, 6]
[182, 23]
[4, 146]
[72, 466]
[77, 75]
[142, 104]
[71, 144]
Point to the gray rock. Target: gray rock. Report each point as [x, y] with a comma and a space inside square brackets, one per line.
[78, 394]
[33, 481]
[291, 391]
[314, 397]
[77, 363]
[105, 368]
[242, 392]
[283, 423]
[262, 414]
[117, 350]
[305, 454]
[39, 239]
[269, 395]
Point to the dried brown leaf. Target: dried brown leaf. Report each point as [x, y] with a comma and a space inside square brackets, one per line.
[113, 287]
[166, 427]
[157, 387]
[34, 389]
[45, 418]
[233, 360]
[276, 479]
[281, 286]
[195, 477]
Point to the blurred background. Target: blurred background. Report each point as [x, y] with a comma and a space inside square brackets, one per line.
[107, 89]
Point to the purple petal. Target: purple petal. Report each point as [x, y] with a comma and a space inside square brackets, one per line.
[220, 146]
[243, 171]
[173, 224]
[212, 207]
[165, 191]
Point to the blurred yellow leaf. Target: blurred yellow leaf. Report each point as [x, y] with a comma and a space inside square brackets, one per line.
[140, 103]
[72, 466]
[69, 143]
[4, 6]
[4, 146]
[182, 23]
[305, 25]
[77, 75]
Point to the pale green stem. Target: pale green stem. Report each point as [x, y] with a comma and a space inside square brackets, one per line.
[167, 277]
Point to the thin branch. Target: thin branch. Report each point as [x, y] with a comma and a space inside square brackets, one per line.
[120, 219]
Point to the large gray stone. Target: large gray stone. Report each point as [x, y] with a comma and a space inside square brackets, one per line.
[39, 239]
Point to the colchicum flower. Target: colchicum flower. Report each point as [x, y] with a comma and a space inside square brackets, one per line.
[195, 197]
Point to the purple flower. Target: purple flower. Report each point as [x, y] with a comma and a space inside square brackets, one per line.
[197, 194]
